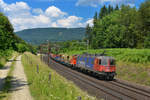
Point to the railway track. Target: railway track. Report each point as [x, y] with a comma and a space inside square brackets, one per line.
[109, 90]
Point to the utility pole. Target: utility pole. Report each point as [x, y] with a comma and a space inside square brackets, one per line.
[48, 52]
[87, 44]
[41, 52]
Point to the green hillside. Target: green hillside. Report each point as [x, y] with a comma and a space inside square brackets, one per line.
[40, 35]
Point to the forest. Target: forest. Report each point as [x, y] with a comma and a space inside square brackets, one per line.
[120, 27]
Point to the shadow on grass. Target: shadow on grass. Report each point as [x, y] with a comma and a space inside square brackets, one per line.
[1, 66]
[12, 60]
[11, 84]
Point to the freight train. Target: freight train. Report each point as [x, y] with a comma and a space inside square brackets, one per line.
[98, 65]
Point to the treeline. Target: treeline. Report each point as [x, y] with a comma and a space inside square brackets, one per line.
[123, 27]
[69, 46]
[57, 47]
[9, 41]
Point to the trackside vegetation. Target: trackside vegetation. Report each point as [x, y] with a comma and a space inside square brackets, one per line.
[42, 89]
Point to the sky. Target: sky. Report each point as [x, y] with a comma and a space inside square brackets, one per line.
[25, 14]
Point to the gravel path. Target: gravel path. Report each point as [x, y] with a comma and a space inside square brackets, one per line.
[4, 72]
[19, 83]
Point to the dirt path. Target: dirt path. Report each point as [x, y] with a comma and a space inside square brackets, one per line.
[4, 72]
[19, 83]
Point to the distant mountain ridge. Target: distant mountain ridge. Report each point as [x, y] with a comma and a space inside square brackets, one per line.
[41, 35]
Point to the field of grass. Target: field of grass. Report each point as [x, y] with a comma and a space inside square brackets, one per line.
[127, 55]
[42, 89]
[132, 64]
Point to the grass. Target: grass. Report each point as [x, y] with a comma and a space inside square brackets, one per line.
[5, 93]
[137, 73]
[132, 64]
[57, 89]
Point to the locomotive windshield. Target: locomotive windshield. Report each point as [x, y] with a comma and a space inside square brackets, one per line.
[112, 62]
[104, 61]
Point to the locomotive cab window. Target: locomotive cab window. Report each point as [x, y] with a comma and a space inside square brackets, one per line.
[112, 62]
[99, 61]
[104, 61]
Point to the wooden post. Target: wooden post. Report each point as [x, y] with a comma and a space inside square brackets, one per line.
[37, 68]
[79, 98]
[31, 62]
[50, 77]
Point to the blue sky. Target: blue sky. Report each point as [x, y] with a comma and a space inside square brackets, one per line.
[25, 14]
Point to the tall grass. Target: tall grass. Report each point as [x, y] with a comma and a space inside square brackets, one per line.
[43, 89]
[128, 55]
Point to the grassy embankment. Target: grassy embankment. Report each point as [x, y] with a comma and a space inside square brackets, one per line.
[42, 89]
[132, 64]
[5, 93]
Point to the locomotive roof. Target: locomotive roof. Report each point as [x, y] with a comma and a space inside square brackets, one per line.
[99, 57]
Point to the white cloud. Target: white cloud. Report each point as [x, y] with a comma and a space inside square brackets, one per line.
[71, 21]
[90, 22]
[95, 3]
[22, 16]
[52, 11]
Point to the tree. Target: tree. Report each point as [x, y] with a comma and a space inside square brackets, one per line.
[88, 33]
[22, 48]
[95, 19]
[110, 9]
[144, 24]
[6, 33]
[117, 7]
[145, 17]
[103, 12]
